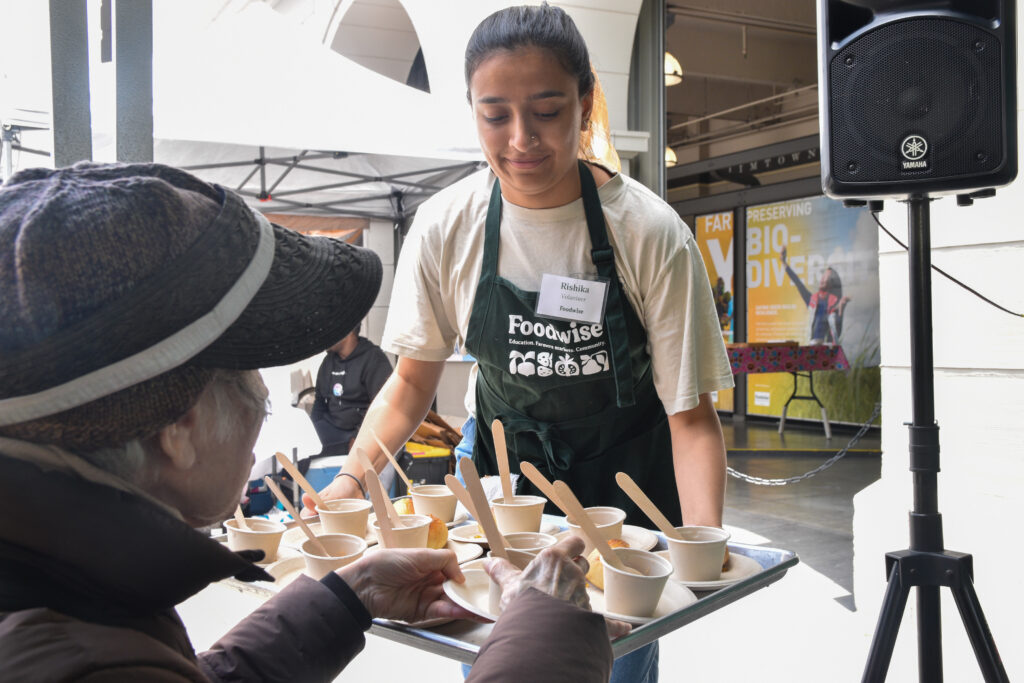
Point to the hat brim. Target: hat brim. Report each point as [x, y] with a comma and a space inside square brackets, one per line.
[317, 291]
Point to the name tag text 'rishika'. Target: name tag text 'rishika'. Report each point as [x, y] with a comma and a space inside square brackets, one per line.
[569, 298]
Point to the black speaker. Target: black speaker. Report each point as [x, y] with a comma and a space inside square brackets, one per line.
[916, 97]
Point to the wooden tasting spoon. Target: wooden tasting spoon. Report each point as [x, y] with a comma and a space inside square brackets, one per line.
[589, 530]
[292, 470]
[382, 507]
[483, 510]
[295, 515]
[541, 482]
[393, 460]
[387, 508]
[240, 519]
[501, 451]
[627, 484]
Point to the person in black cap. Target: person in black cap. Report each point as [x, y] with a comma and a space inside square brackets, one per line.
[136, 302]
[351, 374]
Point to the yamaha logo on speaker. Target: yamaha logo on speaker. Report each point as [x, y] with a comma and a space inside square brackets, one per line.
[914, 149]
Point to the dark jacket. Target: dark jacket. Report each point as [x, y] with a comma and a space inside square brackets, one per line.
[90, 573]
[346, 386]
[91, 570]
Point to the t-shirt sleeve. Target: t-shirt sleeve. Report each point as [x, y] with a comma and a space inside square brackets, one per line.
[684, 336]
[418, 324]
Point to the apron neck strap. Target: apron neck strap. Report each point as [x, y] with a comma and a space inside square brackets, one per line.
[603, 257]
[491, 232]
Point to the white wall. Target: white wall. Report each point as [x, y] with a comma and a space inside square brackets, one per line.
[979, 403]
[380, 237]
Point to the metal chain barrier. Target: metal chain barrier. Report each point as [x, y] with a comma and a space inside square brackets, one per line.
[820, 468]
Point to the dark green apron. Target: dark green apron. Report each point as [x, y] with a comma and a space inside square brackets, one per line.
[576, 400]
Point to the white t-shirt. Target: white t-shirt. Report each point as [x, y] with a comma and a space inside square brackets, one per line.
[656, 257]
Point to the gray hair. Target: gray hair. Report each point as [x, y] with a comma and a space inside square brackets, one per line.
[231, 402]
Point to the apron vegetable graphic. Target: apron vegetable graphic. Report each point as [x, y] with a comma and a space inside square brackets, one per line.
[566, 366]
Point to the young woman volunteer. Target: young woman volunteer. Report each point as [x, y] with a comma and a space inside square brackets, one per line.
[580, 293]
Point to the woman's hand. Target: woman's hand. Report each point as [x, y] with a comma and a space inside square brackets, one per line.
[341, 487]
[406, 584]
[558, 571]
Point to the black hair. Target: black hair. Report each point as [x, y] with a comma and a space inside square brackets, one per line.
[833, 284]
[543, 26]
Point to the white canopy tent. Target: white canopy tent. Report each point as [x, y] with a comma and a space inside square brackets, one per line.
[250, 94]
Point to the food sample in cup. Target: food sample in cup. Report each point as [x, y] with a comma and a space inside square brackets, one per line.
[262, 534]
[343, 549]
[413, 533]
[595, 574]
[522, 513]
[700, 553]
[433, 499]
[345, 516]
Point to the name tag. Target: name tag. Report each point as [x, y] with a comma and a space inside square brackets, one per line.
[569, 298]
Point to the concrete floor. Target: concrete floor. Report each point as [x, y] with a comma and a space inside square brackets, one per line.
[813, 517]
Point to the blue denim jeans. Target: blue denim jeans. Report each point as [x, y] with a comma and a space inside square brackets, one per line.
[465, 447]
[639, 666]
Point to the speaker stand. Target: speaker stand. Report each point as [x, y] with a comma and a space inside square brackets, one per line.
[927, 566]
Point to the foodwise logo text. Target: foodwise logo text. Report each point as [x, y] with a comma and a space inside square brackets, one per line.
[914, 150]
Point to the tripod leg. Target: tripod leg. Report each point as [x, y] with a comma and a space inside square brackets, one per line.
[977, 630]
[929, 634]
[888, 628]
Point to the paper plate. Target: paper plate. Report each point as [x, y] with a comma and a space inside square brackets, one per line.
[637, 537]
[473, 595]
[467, 533]
[675, 597]
[287, 570]
[740, 567]
[464, 552]
[470, 533]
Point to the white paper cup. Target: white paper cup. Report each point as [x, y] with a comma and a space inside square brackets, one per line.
[700, 555]
[523, 513]
[632, 595]
[530, 541]
[434, 499]
[608, 521]
[345, 516]
[412, 535]
[525, 546]
[493, 595]
[343, 548]
[262, 535]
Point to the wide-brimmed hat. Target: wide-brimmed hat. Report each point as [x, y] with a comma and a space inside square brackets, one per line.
[116, 279]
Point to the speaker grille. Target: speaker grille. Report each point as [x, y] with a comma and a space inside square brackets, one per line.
[933, 79]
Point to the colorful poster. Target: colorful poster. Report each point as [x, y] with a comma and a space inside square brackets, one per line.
[715, 238]
[812, 277]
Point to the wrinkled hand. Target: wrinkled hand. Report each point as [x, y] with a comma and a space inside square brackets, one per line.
[558, 571]
[406, 584]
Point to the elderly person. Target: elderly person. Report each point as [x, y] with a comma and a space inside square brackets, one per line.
[136, 303]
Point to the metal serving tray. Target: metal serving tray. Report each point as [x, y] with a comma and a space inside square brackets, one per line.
[461, 640]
